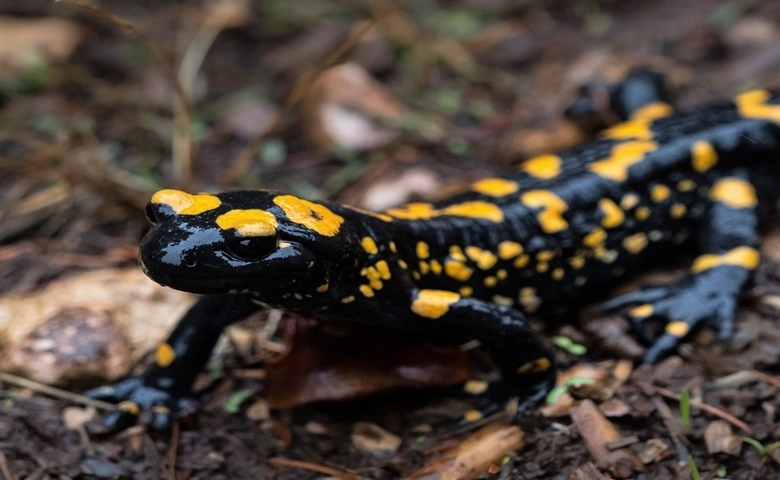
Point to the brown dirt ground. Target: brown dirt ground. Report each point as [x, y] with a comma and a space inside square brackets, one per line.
[493, 75]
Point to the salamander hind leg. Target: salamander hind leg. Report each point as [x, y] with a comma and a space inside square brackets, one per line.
[525, 361]
[708, 295]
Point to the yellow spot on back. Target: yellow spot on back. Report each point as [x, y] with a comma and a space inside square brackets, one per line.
[734, 192]
[369, 245]
[475, 387]
[543, 166]
[313, 216]
[466, 291]
[383, 269]
[551, 216]
[642, 213]
[703, 156]
[745, 257]
[322, 288]
[686, 185]
[541, 364]
[595, 238]
[629, 201]
[495, 187]
[457, 270]
[545, 256]
[639, 126]
[423, 267]
[433, 303]
[678, 210]
[436, 267]
[753, 104]
[528, 299]
[483, 258]
[577, 262]
[472, 416]
[366, 291]
[613, 215]
[659, 193]
[476, 209]
[348, 299]
[413, 211]
[490, 281]
[248, 223]
[558, 273]
[392, 246]
[641, 311]
[653, 111]
[623, 156]
[456, 253]
[635, 243]
[402, 264]
[164, 355]
[380, 216]
[422, 250]
[521, 261]
[186, 204]
[509, 249]
[129, 406]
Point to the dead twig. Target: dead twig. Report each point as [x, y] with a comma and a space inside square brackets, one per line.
[314, 467]
[55, 392]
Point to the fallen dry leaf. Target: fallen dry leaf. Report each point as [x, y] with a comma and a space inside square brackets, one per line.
[345, 108]
[474, 455]
[140, 311]
[596, 431]
[720, 439]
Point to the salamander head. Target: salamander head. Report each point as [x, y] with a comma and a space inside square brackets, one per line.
[255, 241]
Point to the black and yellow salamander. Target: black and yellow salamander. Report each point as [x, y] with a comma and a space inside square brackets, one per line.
[552, 234]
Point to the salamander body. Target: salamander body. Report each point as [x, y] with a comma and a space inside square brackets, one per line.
[551, 234]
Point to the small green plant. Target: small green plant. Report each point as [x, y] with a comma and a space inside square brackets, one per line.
[685, 412]
[556, 392]
[570, 346]
[695, 475]
[762, 449]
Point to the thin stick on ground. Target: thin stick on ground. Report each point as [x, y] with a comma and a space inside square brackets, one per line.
[55, 392]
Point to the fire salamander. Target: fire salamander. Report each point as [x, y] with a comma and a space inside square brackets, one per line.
[553, 233]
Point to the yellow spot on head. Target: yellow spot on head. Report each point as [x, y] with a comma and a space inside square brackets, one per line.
[509, 249]
[635, 243]
[314, 216]
[613, 215]
[551, 216]
[457, 270]
[639, 125]
[745, 257]
[653, 111]
[186, 204]
[422, 250]
[483, 258]
[476, 209]
[703, 156]
[677, 329]
[734, 192]
[623, 156]
[369, 245]
[249, 223]
[433, 303]
[659, 193]
[495, 187]
[164, 355]
[544, 166]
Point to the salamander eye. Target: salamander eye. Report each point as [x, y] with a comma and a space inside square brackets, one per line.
[252, 248]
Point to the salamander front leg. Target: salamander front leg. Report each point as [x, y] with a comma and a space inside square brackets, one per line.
[165, 389]
[525, 361]
[708, 295]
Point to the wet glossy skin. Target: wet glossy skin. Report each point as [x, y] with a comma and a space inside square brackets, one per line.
[548, 235]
